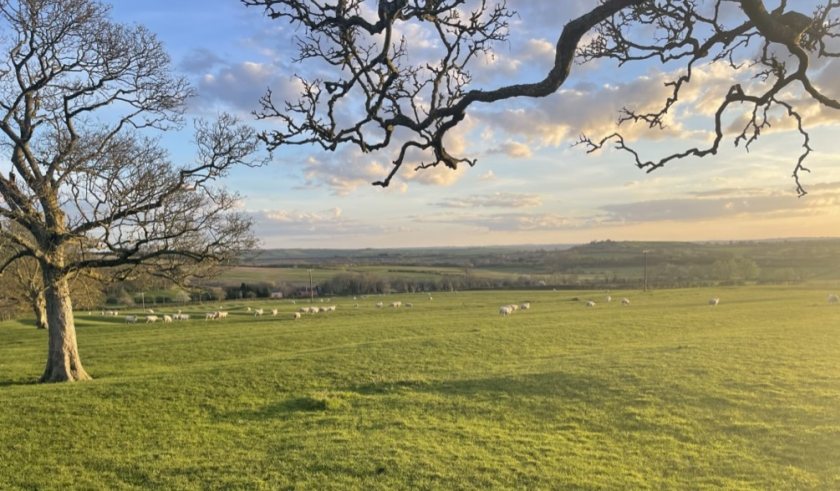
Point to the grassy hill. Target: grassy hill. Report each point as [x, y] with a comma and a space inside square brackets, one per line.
[666, 393]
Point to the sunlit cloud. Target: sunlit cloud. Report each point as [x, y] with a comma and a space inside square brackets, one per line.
[494, 200]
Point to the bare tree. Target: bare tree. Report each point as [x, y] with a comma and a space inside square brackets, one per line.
[396, 102]
[81, 98]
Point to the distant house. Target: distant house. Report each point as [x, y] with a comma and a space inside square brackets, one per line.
[276, 295]
[306, 292]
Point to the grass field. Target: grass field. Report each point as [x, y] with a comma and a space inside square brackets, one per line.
[668, 393]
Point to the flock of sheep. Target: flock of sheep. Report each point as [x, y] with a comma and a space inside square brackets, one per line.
[505, 310]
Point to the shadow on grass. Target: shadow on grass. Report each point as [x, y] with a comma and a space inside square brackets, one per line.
[551, 384]
[18, 382]
[317, 403]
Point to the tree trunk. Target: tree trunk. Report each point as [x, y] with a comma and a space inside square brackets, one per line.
[63, 362]
[39, 306]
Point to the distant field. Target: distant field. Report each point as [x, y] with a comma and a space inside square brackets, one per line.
[668, 393]
[246, 274]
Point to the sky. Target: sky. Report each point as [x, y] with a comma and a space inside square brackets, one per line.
[531, 185]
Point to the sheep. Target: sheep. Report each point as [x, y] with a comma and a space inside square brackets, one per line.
[625, 301]
[514, 307]
[210, 316]
[505, 310]
[295, 315]
[609, 299]
[833, 298]
[151, 318]
[131, 319]
[396, 305]
[167, 319]
[221, 315]
[590, 303]
[714, 301]
[150, 311]
[258, 312]
[274, 312]
[525, 306]
[379, 305]
[331, 308]
[181, 317]
[248, 309]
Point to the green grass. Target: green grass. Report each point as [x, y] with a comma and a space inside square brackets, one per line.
[667, 393]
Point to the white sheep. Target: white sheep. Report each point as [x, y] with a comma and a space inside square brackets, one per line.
[379, 305]
[514, 307]
[167, 319]
[396, 305]
[505, 310]
[248, 309]
[295, 315]
[221, 315]
[714, 301]
[258, 312]
[590, 303]
[609, 299]
[131, 319]
[151, 318]
[210, 316]
[625, 301]
[273, 312]
[525, 306]
[833, 298]
[150, 311]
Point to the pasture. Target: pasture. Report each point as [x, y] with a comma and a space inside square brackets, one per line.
[666, 393]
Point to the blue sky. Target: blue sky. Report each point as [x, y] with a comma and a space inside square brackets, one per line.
[530, 185]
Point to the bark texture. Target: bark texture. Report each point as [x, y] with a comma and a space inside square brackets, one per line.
[63, 362]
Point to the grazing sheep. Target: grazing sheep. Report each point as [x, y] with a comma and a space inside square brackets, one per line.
[167, 319]
[379, 305]
[151, 318]
[625, 301]
[331, 308]
[221, 315]
[833, 298]
[590, 303]
[609, 299]
[150, 311]
[714, 301]
[514, 307]
[181, 317]
[258, 312]
[525, 306]
[131, 319]
[295, 315]
[248, 309]
[273, 312]
[396, 305]
[505, 310]
[210, 316]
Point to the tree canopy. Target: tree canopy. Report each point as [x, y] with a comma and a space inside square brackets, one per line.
[374, 91]
[89, 186]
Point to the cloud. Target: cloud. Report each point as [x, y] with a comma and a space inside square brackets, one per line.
[725, 203]
[506, 222]
[323, 223]
[495, 200]
[512, 149]
[238, 86]
[488, 176]
[344, 170]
